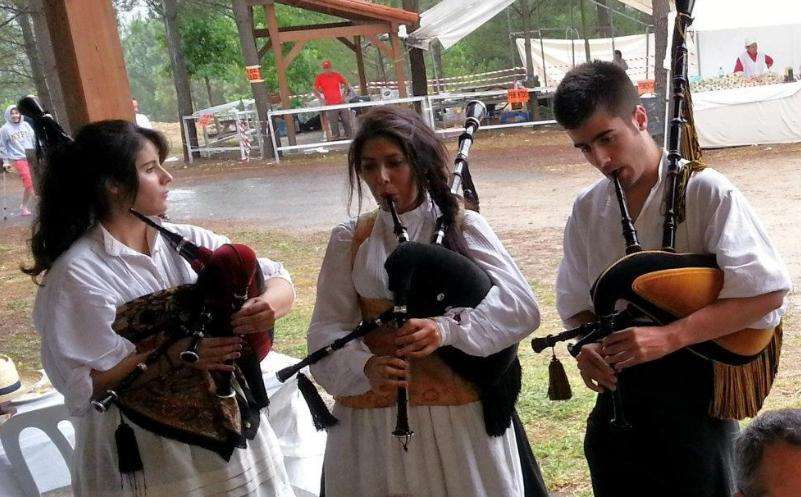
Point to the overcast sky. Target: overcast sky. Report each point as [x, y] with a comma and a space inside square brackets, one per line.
[139, 10]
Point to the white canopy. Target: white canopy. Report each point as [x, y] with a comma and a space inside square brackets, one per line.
[552, 58]
[641, 5]
[729, 14]
[451, 20]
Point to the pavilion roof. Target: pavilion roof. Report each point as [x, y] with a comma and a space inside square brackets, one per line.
[356, 10]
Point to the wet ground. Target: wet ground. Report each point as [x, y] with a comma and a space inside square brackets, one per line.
[527, 182]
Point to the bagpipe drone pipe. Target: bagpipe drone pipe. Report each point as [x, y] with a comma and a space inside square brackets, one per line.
[661, 286]
[427, 280]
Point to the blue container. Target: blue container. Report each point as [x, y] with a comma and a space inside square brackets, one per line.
[280, 127]
[514, 116]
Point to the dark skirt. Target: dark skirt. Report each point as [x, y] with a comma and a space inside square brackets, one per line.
[673, 448]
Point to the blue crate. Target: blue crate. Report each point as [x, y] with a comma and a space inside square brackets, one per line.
[514, 116]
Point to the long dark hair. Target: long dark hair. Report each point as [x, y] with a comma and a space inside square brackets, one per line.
[424, 152]
[74, 190]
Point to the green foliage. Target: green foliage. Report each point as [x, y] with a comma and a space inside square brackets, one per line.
[15, 72]
[147, 63]
[211, 46]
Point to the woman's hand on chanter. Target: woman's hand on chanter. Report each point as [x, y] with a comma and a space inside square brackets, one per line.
[386, 373]
[213, 352]
[418, 338]
[255, 316]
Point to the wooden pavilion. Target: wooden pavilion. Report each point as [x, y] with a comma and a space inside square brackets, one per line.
[92, 70]
[362, 20]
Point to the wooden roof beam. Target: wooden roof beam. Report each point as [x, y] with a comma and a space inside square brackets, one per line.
[366, 30]
[264, 33]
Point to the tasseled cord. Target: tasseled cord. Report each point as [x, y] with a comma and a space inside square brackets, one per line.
[558, 384]
[129, 460]
[321, 416]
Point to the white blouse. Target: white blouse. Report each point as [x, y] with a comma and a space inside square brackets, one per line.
[507, 314]
[719, 220]
[78, 301]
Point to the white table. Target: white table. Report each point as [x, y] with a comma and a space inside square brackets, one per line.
[302, 445]
[748, 116]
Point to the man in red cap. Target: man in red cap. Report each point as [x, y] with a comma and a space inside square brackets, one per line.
[328, 88]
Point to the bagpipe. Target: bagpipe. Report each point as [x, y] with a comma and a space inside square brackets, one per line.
[427, 279]
[215, 410]
[662, 286]
[227, 278]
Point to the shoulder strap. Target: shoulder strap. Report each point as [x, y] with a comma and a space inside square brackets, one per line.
[364, 226]
[687, 171]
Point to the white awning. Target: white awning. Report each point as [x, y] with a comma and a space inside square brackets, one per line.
[642, 5]
[730, 14]
[451, 20]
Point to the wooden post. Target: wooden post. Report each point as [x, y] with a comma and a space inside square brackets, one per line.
[89, 58]
[398, 60]
[417, 62]
[584, 31]
[283, 86]
[45, 47]
[357, 41]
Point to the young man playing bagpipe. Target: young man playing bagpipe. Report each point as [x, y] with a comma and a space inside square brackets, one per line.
[678, 438]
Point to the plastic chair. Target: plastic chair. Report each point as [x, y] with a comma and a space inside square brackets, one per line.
[46, 420]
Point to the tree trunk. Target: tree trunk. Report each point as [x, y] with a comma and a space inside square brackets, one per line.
[180, 75]
[208, 91]
[604, 19]
[660, 23]
[436, 48]
[416, 58]
[381, 69]
[244, 24]
[584, 31]
[526, 17]
[47, 59]
[24, 21]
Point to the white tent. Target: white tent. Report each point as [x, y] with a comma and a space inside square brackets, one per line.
[552, 58]
[721, 28]
[451, 20]
[641, 5]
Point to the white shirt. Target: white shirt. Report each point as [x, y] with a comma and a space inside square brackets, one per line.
[76, 306]
[719, 221]
[507, 314]
[143, 121]
[753, 67]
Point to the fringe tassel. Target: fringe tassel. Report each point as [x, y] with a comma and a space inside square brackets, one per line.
[558, 384]
[129, 460]
[321, 416]
[740, 390]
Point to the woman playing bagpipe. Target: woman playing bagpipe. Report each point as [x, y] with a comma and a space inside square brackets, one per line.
[118, 306]
[671, 433]
[464, 443]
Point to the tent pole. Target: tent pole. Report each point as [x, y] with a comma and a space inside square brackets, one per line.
[648, 52]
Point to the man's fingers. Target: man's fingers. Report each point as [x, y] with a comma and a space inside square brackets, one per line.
[594, 359]
[618, 336]
[615, 359]
[591, 384]
[214, 342]
[627, 363]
